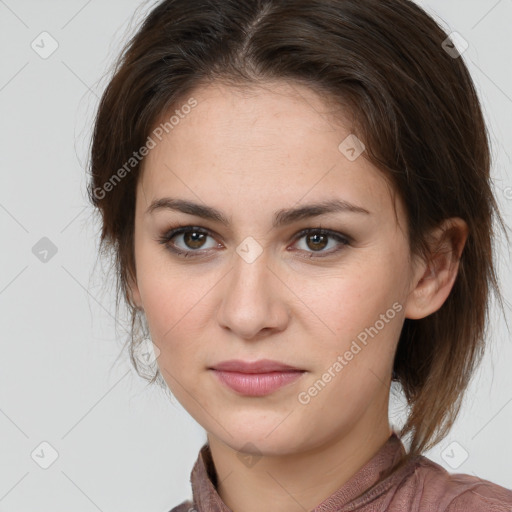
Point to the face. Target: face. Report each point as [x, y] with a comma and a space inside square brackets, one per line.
[254, 281]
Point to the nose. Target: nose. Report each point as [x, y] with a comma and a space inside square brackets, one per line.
[253, 299]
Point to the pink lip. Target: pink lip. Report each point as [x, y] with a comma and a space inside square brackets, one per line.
[256, 378]
[260, 366]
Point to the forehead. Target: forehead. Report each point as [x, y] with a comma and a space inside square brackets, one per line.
[269, 144]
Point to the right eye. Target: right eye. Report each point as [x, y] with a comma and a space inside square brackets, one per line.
[192, 241]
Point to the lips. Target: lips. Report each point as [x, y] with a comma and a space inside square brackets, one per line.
[260, 366]
[257, 378]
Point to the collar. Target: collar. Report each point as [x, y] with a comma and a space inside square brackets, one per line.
[359, 490]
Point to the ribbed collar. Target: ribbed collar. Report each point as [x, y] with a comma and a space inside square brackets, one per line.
[354, 494]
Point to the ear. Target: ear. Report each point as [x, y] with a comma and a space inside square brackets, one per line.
[434, 276]
[134, 292]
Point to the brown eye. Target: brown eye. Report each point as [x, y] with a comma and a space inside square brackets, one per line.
[316, 242]
[194, 239]
[188, 240]
[191, 241]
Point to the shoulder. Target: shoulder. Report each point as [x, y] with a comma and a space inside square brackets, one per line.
[186, 506]
[442, 491]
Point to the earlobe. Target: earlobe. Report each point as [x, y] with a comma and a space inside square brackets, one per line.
[434, 278]
[134, 293]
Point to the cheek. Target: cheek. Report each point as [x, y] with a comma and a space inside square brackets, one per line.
[172, 313]
[175, 299]
[172, 306]
[345, 302]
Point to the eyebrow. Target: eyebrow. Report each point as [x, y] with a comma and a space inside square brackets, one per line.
[281, 217]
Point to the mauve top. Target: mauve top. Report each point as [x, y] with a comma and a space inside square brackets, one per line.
[419, 485]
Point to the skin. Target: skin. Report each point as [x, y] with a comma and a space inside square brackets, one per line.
[250, 153]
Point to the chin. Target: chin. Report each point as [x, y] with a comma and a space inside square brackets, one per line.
[268, 435]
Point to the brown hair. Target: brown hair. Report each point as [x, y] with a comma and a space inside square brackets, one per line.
[413, 104]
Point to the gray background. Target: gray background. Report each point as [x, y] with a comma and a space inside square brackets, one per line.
[121, 445]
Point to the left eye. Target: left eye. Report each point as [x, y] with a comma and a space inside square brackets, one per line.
[193, 239]
[318, 239]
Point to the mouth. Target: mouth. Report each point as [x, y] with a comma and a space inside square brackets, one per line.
[257, 378]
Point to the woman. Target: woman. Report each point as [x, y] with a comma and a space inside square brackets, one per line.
[298, 200]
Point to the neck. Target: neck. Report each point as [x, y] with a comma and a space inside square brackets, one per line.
[299, 481]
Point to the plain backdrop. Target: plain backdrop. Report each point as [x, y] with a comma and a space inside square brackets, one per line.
[110, 442]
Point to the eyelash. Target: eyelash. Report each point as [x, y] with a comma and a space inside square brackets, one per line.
[179, 230]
